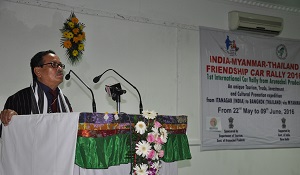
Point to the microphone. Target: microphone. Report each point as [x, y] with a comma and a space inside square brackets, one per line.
[67, 77]
[114, 91]
[97, 78]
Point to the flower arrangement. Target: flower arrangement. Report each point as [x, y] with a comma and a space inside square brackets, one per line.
[148, 137]
[73, 38]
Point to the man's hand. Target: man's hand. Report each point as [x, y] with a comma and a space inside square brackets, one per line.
[6, 116]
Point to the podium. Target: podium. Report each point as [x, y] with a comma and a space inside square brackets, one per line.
[81, 144]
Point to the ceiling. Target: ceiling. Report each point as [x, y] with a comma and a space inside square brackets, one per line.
[284, 5]
[287, 3]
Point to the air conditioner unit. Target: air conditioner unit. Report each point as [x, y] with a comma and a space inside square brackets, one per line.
[255, 23]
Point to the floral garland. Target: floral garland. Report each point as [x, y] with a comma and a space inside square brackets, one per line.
[73, 38]
[148, 137]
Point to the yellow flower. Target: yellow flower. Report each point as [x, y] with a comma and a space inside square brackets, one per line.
[73, 38]
[66, 34]
[81, 27]
[67, 44]
[71, 24]
[75, 53]
[80, 46]
[70, 35]
[75, 30]
[74, 20]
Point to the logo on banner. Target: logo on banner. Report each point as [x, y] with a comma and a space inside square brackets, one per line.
[281, 51]
[283, 123]
[230, 119]
[231, 47]
[214, 124]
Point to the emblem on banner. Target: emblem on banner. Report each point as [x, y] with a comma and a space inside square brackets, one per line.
[281, 51]
[231, 47]
[283, 123]
[230, 119]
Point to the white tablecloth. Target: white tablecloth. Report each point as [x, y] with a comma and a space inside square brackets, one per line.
[39, 144]
[124, 169]
[45, 145]
[1, 168]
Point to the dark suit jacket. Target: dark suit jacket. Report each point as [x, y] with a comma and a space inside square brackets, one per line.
[21, 103]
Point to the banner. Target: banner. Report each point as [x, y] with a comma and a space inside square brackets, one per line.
[250, 89]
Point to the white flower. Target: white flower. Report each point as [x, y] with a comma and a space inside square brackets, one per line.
[157, 147]
[149, 114]
[155, 156]
[155, 133]
[149, 148]
[141, 170]
[143, 148]
[156, 165]
[155, 130]
[163, 134]
[106, 116]
[140, 127]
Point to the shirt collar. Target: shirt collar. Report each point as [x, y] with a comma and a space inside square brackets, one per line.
[47, 89]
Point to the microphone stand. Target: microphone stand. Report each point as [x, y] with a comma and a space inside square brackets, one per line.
[97, 78]
[118, 100]
[116, 91]
[93, 103]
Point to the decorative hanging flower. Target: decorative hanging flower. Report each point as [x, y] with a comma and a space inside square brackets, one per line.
[140, 127]
[148, 138]
[143, 148]
[73, 38]
[141, 169]
[149, 114]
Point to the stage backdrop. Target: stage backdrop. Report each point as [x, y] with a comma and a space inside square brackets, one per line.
[250, 91]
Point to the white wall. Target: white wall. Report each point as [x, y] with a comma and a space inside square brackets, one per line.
[156, 48]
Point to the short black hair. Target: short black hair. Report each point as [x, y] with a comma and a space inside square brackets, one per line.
[37, 60]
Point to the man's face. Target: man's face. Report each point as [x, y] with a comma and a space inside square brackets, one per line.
[49, 75]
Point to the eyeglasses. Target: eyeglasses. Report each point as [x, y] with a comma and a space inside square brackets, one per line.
[55, 65]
